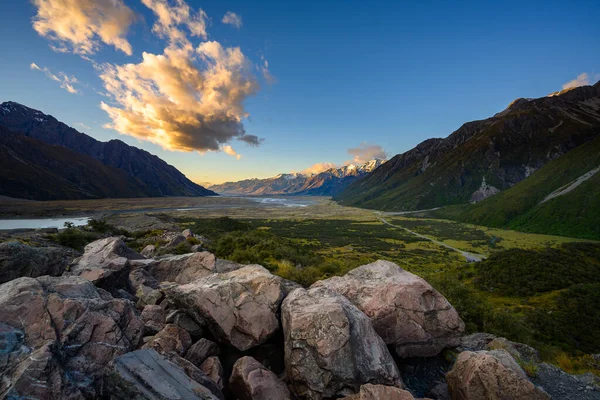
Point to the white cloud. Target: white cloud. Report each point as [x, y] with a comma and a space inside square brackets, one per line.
[366, 152]
[66, 82]
[581, 80]
[318, 168]
[231, 18]
[79, 26]
[171, 17]
[227, 149]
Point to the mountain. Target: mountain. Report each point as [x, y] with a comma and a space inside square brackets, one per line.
[562, 198]
[157, 177]
[326, 183]
[482, 158]
[32, 169]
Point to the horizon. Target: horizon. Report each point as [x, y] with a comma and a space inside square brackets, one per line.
[289, 89]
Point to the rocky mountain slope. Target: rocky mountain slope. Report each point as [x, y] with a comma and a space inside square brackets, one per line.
[157, 177]
[32, 169]
[483, 157]
[326, 183]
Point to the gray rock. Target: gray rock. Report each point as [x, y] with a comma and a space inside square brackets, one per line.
[183, 320]
[239, 307]
[18, 259]
[183, 268]
[187, 233]
[214, 370]
[148, 251]
[201, 350]
[145, 374]
[475, 341]
[170, 339]
[331, 348]
[250, 380]
[407, 312]
[518, 351]
[153, 317]
[62, 331]
[380, 392]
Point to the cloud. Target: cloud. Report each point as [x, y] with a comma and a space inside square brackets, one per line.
[82, 125]
[266, 72]
[171, 17]
[581, 80]
[366, 152]
[185, 99]
[66, 82]
[231, 18]
[79, 26]
[227, 149]
[318, 168]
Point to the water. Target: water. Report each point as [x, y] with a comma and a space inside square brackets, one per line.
[283, 201]
[41, 223]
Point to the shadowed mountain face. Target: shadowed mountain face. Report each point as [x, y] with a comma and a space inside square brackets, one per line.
[484, 157]
[32, 169]
[326, 183]
[156, 177]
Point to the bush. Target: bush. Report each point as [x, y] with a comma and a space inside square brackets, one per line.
[74, 238]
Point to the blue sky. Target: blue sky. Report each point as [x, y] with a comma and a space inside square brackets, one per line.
[346, 73]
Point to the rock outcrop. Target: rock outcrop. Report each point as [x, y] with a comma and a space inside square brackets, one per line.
[105, 262]
[145, 374]
[380, 392]
[490, 375]
[239, 308]
[250, 380]
[183, 268]
[331, 348]
[18, 259]
[62, 332]
[407, 312]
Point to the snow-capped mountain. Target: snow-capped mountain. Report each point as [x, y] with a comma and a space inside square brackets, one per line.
[326, 183]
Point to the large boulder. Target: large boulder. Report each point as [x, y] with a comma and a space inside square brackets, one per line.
[250, 380]
[105, 262]
[331, 348]
[145, 374]
[380, 392]
[184, 268]
[407, 312]
[170, 339]
[62, 331]
[18, 259]
[490, 375]
[239, 307]
[201, 350]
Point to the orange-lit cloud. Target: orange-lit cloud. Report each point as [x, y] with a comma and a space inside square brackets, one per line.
[80, 25]
[581, 80]
[227, 149]
[66, 82]
[170, 17]
[318, 168]
[231, 18]
[366, 152]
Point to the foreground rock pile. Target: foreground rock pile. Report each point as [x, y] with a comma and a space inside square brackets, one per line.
[119, 325]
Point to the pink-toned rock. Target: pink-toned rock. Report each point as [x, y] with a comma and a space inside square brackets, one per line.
[239, 307]
[407, 312]
[250, 380]
[331, 348]
[154, 319]
[380, 392]
[214, 370]
[171, 338]
[183, 268]
[490, 375]
[74, 330]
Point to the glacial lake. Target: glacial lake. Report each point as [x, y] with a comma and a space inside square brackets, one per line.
[41, 223]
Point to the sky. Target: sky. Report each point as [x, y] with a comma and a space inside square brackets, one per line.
[228, 90]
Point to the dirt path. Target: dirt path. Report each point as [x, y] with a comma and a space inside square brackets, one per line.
[470, 257]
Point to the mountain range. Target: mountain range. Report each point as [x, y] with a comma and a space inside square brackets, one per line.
[37, 152]
[483, 158]
[326, 183]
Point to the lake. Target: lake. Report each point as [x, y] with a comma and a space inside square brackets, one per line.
[41, 223]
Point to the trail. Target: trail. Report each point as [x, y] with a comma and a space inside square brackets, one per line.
[470, 257]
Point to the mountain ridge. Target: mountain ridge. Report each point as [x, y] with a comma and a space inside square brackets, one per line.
[160, 179]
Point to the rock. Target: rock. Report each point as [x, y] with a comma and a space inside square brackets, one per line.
[153, 317]
[490, 375]
[149, 251]
[439, 391]
[475, 341]
[62, 331]
[331, 348]
[170, 338]
[145, 374]
[250, 380]
[380, 392]
[18, 259]
[239, 307]
[173, 239]
[406, 311]
[196, 248]
[183, 268]
[214, 370]
[187, 233]
[519, 351]
[105, 262]
[182, 320]
[201, 350]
